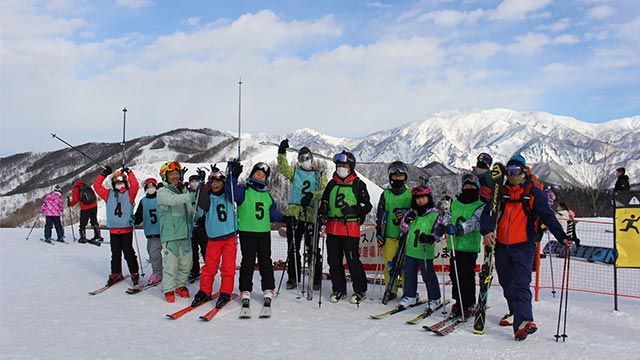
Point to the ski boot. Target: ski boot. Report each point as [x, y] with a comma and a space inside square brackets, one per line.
[96, 234]
[200, 298]
[223, 299]
[83, 237]
[114, 278]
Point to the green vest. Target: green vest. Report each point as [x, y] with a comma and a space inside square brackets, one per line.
[393, 203]
[254, 212]
[469, 242]
[341, 195]
[421, 225]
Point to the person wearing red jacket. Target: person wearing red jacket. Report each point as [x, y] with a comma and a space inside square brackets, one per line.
[345, 204]
[88, 212]
[522, 206]
[120, 200]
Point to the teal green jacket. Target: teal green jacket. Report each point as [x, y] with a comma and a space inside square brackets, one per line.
[176, 212]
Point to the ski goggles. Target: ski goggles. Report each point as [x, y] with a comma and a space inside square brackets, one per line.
[217, 175]
[514, 170]
[170, 166]
[262, 166]
[420, 191]
[340, 158]
[305, 157]
[398, 168]
[471, 179]
[117, 178]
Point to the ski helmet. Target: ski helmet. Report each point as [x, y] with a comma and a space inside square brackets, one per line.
[261, 166]
[216, 174]
[471, 179]
[484, 161]
[345, 157]
[193, 177]
[57, 189]
[517, 159]
[168, 167]
[119, 177]
[420, 191]
[304, 154]
[148, 181]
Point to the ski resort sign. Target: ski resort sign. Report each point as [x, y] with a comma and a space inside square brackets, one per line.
[627, 228]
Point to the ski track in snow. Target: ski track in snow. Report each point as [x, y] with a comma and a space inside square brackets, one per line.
[47, 314]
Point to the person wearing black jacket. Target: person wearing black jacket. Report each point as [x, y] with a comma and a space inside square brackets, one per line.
[622, 184]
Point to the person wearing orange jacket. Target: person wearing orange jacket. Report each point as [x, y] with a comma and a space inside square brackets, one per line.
[88, 211]
[120, 200]
[522, 207]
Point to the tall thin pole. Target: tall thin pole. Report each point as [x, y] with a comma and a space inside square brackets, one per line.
[239, 113]
[124, 128]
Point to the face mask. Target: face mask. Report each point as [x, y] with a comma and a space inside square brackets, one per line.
[396, 184]
[468, 196]
[151, 191]
[194, 185]
[342, 172]
[306, 164]
[119, 186]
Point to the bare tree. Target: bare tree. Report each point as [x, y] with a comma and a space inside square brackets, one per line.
[593, 172]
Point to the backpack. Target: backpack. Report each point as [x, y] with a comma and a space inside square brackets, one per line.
[87, 195]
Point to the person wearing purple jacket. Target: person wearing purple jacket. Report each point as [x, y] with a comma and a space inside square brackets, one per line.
[52, 209]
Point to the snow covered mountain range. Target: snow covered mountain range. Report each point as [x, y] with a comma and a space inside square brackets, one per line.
[561, 150]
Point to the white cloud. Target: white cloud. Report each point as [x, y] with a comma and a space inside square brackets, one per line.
[566, 39]
[517, 9]
[192, 21]
[559, 25]
[478, 51]
[600, 12]
[615, 57]
[133, 4]
[378, 5]
[452, 17]
[528, 44]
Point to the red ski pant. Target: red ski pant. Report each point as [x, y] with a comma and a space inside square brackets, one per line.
[219, 250]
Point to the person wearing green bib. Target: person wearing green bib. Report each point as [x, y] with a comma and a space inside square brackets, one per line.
[256, 211]
[420, 224]
[464, 239]
[344, 206]
[394, 202]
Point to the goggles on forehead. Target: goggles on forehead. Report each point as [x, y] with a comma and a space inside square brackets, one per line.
[420, 191]
[340, 158]
[217, 175]
[469, 178]
[264, 167]
[514, 170]
[399, 168]
[118, 178]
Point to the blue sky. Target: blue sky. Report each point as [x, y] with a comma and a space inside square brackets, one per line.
[345, 68]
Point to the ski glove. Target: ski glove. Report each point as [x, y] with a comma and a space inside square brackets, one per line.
[284, 144]
[132, 221]
[126, 170]
[201, 174]
[236, 168]
[381, 240]
[440, 230]
[306, 199]
[107, 171]
[410, 216]
[426, 239]
[349, 210]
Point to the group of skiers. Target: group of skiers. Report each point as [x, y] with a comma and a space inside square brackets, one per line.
[174, 213]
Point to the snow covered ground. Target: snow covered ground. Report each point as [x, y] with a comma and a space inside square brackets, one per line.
[47, 314]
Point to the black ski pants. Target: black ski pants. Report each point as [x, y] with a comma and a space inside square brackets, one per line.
[301, 228]
[339, 247]
[252, 244]
[466, 263]
[86, 216]
[199, 242]
[50, 222]
[123, 244]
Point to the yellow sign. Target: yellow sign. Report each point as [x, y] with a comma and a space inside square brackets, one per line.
[627, 221]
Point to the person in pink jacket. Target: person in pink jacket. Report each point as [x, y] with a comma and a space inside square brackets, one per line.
[52, 210]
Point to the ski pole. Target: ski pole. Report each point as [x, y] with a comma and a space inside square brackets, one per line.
[444, 294]
[321, 259]
[295, 256]
[564, 272]
[553, 286]
[135, 236]
[455, 269]
[566, 298]
[239, 113]
[124, 127]
[78, 150]
[34, 225]
[71, 222]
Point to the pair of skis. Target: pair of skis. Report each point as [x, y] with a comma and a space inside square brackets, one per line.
[140, 288]
[265, 312]
[207, 316]
[446, 326]
[425, 314]
[106, 287]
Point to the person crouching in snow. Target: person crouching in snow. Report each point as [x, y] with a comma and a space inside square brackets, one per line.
[174, 207]
[221, 227]
[120, 200]
[256, 211]
[420, 224]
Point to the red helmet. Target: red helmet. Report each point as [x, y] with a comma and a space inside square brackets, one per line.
[150, 181]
